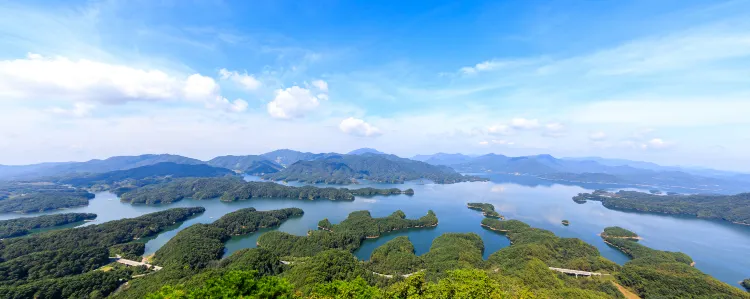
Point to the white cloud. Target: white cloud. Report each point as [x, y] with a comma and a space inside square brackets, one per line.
[320, 85]
[292, 102]
[79, 109]
[238, 105]
[655, 143]
[484, 142]
[554, 130]
[499, 130]
[597, 136]
[358, 127]
[496, 64]
[42, 77]
[199, 87]
[524, 124]
[502, 142]
[248, 82]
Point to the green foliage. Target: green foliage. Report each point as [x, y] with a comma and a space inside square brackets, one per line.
[488, 210]
[347, 235]
[131, 251]
[746, 283]
[62, 260]
[45, 201]
[342, 289]
[22, 226]
[734, 208]
[534, 244]
[200, 244]
[257, 259]
[664, 274]
[234, 189]
[395, 257]
[346, 169]
[245, 221]
[324, 267]
[618, 232]
[233, 284]
[464, 283]
[94, 285]
[452, 251]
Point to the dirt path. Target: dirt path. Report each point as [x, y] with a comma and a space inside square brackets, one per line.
[625, 292]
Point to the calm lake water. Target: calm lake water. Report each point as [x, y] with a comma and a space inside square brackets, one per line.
[718, 248]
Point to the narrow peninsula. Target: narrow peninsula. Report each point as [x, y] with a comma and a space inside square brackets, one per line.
[488, 210]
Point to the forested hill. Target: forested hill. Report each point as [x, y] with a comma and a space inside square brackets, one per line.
[286, 157]
[733, 208]
[250, 164]
[234, 189]
[345, 169]
[164, 169]
[92, 166]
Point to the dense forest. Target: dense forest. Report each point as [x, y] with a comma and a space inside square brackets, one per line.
[68, 263]
[233, 189]
[734, 208]
[199, 244]
[45, 201]
[22, 226]
[61, 262]
[618, 232]
[488, 210]
[663, 274]
[347, 235]
[347, 169]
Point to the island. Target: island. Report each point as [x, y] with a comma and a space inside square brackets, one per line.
[746, 283]
[347, 235]
[488, 210]
[40, 201]
[619, 233]
[23, 226]
[234, 189]
[565, 222]
[350, 169]
[732, 208]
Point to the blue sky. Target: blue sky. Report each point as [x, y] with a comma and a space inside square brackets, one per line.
[662, 81]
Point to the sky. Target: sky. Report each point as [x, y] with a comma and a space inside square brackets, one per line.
[662, 81]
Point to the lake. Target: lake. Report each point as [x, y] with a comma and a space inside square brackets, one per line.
[720, 249]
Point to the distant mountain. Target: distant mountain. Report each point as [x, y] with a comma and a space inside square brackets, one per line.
[365, 150]
[164, 169]
[344, 169]
[287, 157]
[92, 166]
[250, 164]
[443, 159]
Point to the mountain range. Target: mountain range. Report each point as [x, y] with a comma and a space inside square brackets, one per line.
[373, 164]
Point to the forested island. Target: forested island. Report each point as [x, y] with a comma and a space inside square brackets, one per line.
[347, 235]
[733, 208]
[39, 201]
[348, 169]
[619, 233]
[23, 226]
[234, 189]
[488, 210]
[746, 283]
